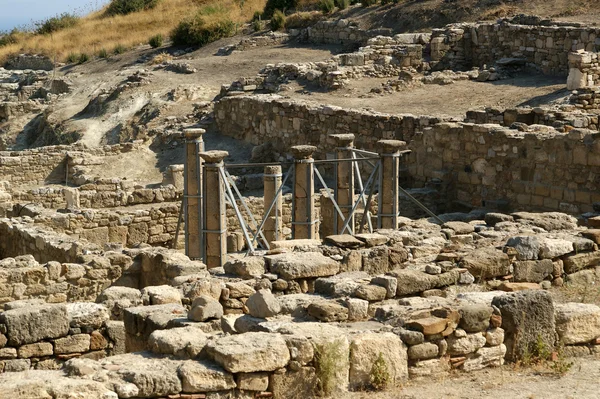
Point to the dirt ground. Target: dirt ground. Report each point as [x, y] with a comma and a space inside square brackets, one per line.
[580, 382]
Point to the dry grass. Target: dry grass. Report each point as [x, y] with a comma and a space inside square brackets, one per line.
[96, 31]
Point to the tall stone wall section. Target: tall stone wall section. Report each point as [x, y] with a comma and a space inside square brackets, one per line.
[463, 46]
[284, 123]
[487, 165]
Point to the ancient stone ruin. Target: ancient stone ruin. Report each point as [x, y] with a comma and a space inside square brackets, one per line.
[358, 249]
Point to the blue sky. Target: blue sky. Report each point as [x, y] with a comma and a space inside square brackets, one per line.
[21, 12]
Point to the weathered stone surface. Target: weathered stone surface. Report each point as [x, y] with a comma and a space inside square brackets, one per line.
[141, 321]
[486, 263]
[343, 284]
[344, 241]
[577, 323]
[247, 267]
[204, 308]
[367, 347]
[358, 309]
[204, 377]
[424, 351]
[36, 323]
[292, 266]
[250, 352]
[429, 368]
[527, 317]
[528, 247]
[161, 294]
[118, 298]
[475, 318]
[371, 292]
[494, 336]
[388, 282]
[533, 271]
[263, 304]
[459, 345]
[372, 239]
[38, 349]
[253, 381]
[184, 342]
[375, 260]
[574, 263]
[78, 343]
[153, 376]
[551, 248]
[592, 234]
[428, 325]
[328, 311]
[85, 314]
[459, 227]
[492, 218]
[514, 287]
[239, 290]
[412, 282]
[410, 337]
[485, 357]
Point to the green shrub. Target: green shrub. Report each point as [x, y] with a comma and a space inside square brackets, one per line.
[257, 16]
[124, 7]
[277, 20]
[54, 24]
[367, 3]
[258, 25]
[273, 5]
[102, 53]
[119, 49]
[83, 58]
[326, 6]
[156, 41]
[10, 38]
[196, 31]
[329, 358]
[379, 376]
[73, 58]
[342, 4]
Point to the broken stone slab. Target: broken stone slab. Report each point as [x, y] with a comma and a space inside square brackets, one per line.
[485, 357]
[204, 377]
[141, 321]
[459, 227]
[592, 234]
[247, 267]
[491, 219]
[184, 342]
[527, 320]
[577, 323]
[413, 281]
[35, 323]
[293, 266]
[86, 314]
[118, 298]
[344, 241]
[328, 311]
[428, 325]
[577, 262]
[372, 239]
[159, 295]
[429, 368]
[551, 248]
[343, 284]
[486, 263]
[508, 286]
[250, 352]
[475, 318]
[143, 374]
[239, 290]
[390, 283]
[464, 344]
[533, 271]
[263, 304]
[548, 221]
[205, 308]
[371, 293]
[292, 245]
[528, 247]
[366, 348]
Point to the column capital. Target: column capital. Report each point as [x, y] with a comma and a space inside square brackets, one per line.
[343, 140]
[303, 151]
[214, 156]
[391, 146]
[193, 134]
[272, 170]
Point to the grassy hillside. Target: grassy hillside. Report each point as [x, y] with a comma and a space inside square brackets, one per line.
[97, 32]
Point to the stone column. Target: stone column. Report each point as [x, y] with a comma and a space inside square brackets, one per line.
[274, 221]
[192, 193]
[215, 219]
[304, 224]
[344, 189]
[387, 214]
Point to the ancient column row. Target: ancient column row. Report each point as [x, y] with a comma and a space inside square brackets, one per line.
[205, 195]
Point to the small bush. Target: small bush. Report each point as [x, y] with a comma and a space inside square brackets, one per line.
[301, 20]
[10, 38]
[124, 7]
[257, 16]
[329, 358]
[119, 49]
[342, 4]
[258, 25]
[367, 3]
[83, 58]
[73, 58]
[102, 53]
[54, 24]
[326, 6]
[277, 20]
[156, 41]
[161, 58]
[273, 5]
[379, 376]
[196, 31]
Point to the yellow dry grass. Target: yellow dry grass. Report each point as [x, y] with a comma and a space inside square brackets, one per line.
[96, 32]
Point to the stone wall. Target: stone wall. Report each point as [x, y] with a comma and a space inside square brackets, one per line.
[584, 70]
[342, 32]
[463, 46]
[484, 165]
[285, 123]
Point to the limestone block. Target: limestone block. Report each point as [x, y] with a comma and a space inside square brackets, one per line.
[292, 266]
[204, 308]
[78, 343]
[85, 314]
[35, 323]
[577, 323]
[263, 304]
[200, 377]
[184, 342]
[38, 349]
[162, 294]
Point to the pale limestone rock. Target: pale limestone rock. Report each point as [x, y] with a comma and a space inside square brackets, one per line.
[577, 323]
[184, 342]
[204, 377]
